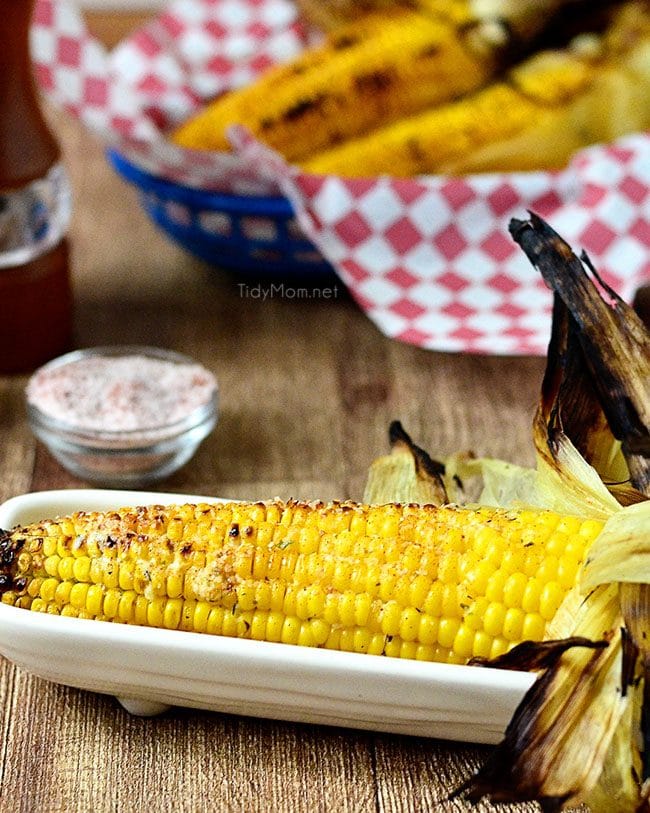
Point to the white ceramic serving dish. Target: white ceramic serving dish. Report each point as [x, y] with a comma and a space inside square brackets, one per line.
[149, 670]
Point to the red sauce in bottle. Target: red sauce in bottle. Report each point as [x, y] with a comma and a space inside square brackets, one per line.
[35, 295]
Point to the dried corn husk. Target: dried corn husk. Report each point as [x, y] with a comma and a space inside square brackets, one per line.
[408, 474]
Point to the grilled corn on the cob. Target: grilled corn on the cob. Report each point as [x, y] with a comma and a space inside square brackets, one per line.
[543, 111]
[376, 70]
[422, 582]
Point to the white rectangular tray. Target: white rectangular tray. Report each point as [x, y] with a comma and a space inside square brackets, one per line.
[149, 670]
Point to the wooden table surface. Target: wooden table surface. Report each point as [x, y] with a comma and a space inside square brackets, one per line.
[307, 392]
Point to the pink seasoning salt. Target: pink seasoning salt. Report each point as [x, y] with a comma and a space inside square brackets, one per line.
[127, 393]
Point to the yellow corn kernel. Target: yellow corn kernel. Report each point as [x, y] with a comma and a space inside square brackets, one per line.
[81, 569]
[513, 589]
[534, 627]
[125, 607]
[494, 617]
[447, 629]
[481, 645]
[464, 642]
[513, 624]
[550, 599]
[95, 599]
[78, 594]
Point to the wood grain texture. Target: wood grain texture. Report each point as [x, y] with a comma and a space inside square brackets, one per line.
[307, 392]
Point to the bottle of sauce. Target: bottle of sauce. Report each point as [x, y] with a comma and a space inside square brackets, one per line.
[35, 290]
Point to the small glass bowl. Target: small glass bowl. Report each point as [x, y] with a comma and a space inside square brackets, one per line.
[123, 458]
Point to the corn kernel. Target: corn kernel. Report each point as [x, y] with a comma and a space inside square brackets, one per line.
[390, 618]
[62, 593]
[81, 569]
[448, 569]
[513, 589]
[428, 629]
[155, 610]
[78, 593]
[534, 627]
[201, 614]
[513, 624]
[274, 625]
[393, 647]
[447, 630]
[494, 618]
[464, 641]
[125, 607]
[567, 571]
[70, 611]
[409, 624]
[589, 529]
[48, 589]
[451, 602]
[499, 647]
[550, 600]
[346, 608]
[513, 560]
[495, 585]
[476, 612]
[569, 525]
[172, 613]
[51, 566]
[481, 645]
[547, 571]
[408, 650]
[174, 585]
[320, 631]
[433, 601]
[95, 599]
[377, 644]
[531, 595]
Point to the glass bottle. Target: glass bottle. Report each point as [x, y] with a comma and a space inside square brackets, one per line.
[35, 289]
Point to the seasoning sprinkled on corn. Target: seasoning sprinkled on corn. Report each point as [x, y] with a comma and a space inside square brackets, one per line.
[423, 582]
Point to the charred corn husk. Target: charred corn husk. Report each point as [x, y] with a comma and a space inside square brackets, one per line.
[422, 582]
[376, 70]
[545, 109]
[582, 732]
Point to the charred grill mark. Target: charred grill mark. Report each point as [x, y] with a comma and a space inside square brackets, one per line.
[432, 50]
[7, 556]
[374, 82]
[303, 107]
[628, 661]
[233, 531]
[7, 562]
[343, 41]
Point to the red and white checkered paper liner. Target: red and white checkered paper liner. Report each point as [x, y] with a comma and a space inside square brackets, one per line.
[430, 259]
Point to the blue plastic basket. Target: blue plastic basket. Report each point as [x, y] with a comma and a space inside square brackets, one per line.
[254, 235]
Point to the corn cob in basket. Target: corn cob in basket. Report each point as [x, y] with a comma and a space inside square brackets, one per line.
[536, 117]
[370, 72]
[447, 86]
